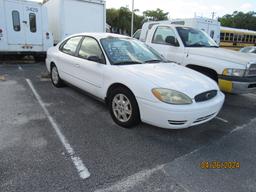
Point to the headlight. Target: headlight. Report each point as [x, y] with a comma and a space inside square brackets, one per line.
[234, 72]
[171, 96]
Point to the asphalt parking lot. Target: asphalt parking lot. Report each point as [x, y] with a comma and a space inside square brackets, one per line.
[51, 139]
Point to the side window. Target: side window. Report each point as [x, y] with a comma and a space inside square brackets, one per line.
[227, 37]
[70, 45]
[16, 20]
[32, 22]
[164, 35]
[231, 37]
[91, 50]
[221, 36]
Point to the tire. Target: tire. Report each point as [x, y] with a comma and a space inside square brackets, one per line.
[123, 107]
[55, 78]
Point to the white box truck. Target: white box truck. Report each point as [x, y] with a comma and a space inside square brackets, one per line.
[67, 17]
[210, 26]
[23, 28]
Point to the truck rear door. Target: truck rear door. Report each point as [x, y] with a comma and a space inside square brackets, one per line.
[24, 23]
[14, 18]
[33, 26]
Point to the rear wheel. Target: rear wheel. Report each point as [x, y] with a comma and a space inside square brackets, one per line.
[56, 80]
[123, 108]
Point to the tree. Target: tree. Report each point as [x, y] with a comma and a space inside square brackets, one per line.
[239, 20]
[120, 20]
[156, 15]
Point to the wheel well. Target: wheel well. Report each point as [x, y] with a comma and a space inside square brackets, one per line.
[114, 86]
[52, 64]
[205, 70]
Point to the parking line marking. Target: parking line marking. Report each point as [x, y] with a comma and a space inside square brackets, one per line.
[82, 170]
[221, 119]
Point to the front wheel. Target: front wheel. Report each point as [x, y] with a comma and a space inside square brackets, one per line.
[56, 80]
[123, 108]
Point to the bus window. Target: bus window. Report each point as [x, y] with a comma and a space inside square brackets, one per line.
[231, 37]
[247, 38]
[242, 38]
[227, 37]
[239, 38]
[221, 36]
[235, 37]
[251, 38]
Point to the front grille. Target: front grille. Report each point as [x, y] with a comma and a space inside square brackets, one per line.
[206, 96]
[252, 70]
[203, 118]
[176, 122]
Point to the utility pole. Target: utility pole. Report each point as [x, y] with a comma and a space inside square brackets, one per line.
[213, 15]
[132, 21]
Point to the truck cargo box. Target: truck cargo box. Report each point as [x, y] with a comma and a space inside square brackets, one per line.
[67, 17]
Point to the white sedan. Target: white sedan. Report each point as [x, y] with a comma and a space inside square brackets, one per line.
[134, 80]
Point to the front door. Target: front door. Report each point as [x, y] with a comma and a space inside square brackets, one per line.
[174, 53]
[90, 71]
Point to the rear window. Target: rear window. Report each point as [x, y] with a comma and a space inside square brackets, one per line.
[32, 22]
[16, 20]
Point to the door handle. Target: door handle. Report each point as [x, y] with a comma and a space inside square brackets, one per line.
[25, 22]
[77, 65]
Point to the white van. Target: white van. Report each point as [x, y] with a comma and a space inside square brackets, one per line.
[24, 28]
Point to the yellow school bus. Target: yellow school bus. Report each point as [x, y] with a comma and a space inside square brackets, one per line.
[235, 39]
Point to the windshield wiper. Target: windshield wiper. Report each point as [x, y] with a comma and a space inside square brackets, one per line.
[153, 61]
[127, 62]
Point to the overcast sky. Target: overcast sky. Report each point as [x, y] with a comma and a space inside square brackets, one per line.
[187, 8]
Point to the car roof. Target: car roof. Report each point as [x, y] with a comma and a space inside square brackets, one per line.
[101, 35]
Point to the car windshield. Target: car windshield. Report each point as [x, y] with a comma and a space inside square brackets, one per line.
[126, 51]
[195, 38]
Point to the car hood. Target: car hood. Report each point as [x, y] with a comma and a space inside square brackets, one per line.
[224, 54]
[173, 76]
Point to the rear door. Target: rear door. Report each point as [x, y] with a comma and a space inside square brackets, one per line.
[33, 24]
[14, 21]
[24, 23]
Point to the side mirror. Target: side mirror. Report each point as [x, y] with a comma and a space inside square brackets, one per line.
[171, 40]
[94, 58]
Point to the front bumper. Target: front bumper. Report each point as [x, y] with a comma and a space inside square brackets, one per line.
[237, 85]
[179, 116]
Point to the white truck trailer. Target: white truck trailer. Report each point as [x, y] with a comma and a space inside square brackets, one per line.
[23, 28]
[67, 17]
